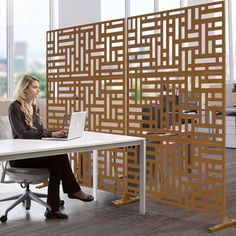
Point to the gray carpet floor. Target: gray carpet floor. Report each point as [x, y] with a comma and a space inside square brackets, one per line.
[103, 219]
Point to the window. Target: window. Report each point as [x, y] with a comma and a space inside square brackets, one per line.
[199, 2]
[112, 9]
[139, 7]
[25, 36]
[234, 36]
[168, 4]
[3, 52]
[31, 21]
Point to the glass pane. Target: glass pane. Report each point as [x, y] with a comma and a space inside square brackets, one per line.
[31, 21]
[198, 2]
[227, 68]
[139, 7]
[168, 4]
[3, 53]
[112, 9]
[234, 36]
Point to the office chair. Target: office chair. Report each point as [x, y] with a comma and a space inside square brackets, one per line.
[158, 113]
[155, 114]
[23, 176]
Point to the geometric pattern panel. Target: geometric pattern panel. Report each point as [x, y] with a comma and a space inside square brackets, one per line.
[85, 71]
[111, 170]
[176, 80]
[160, 76]
[81, 164]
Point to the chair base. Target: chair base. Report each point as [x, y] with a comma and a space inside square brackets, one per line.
[26, 197]
[41, 195]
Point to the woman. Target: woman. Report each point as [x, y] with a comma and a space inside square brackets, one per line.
[26, 124]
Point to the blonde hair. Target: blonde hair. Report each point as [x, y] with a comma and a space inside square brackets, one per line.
[20, 95]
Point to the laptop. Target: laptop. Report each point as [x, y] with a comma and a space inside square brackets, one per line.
[76, 128]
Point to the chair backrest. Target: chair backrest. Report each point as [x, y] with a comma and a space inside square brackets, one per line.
[155, 112]
[5, 133]
[5, 128]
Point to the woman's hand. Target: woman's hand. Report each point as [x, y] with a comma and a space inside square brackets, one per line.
[60, 134]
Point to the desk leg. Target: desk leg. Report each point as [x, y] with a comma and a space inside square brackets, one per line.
[95, 174]
[142, 156]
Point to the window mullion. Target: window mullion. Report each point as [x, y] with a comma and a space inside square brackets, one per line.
[156, 6]
[10, 48]
[53, 14]
[127, 8]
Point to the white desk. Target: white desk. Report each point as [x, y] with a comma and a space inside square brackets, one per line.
[13, 149]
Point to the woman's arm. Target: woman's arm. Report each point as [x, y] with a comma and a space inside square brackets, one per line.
[19, 127]
[46, 133]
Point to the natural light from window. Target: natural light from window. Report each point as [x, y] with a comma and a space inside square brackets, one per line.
[168, 4]
[139, 7]
[234, 36]
[31, 21]
[3, 56]
[112, 9]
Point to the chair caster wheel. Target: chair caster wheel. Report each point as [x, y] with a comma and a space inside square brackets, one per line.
[61, 203]
[3, 218]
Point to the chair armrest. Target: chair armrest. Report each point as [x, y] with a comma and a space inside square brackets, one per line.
[4, 165]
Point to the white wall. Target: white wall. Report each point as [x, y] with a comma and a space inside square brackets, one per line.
[4, 104]
[198, 2]
[78, 12]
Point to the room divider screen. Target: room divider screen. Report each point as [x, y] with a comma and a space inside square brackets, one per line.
[160, 76]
